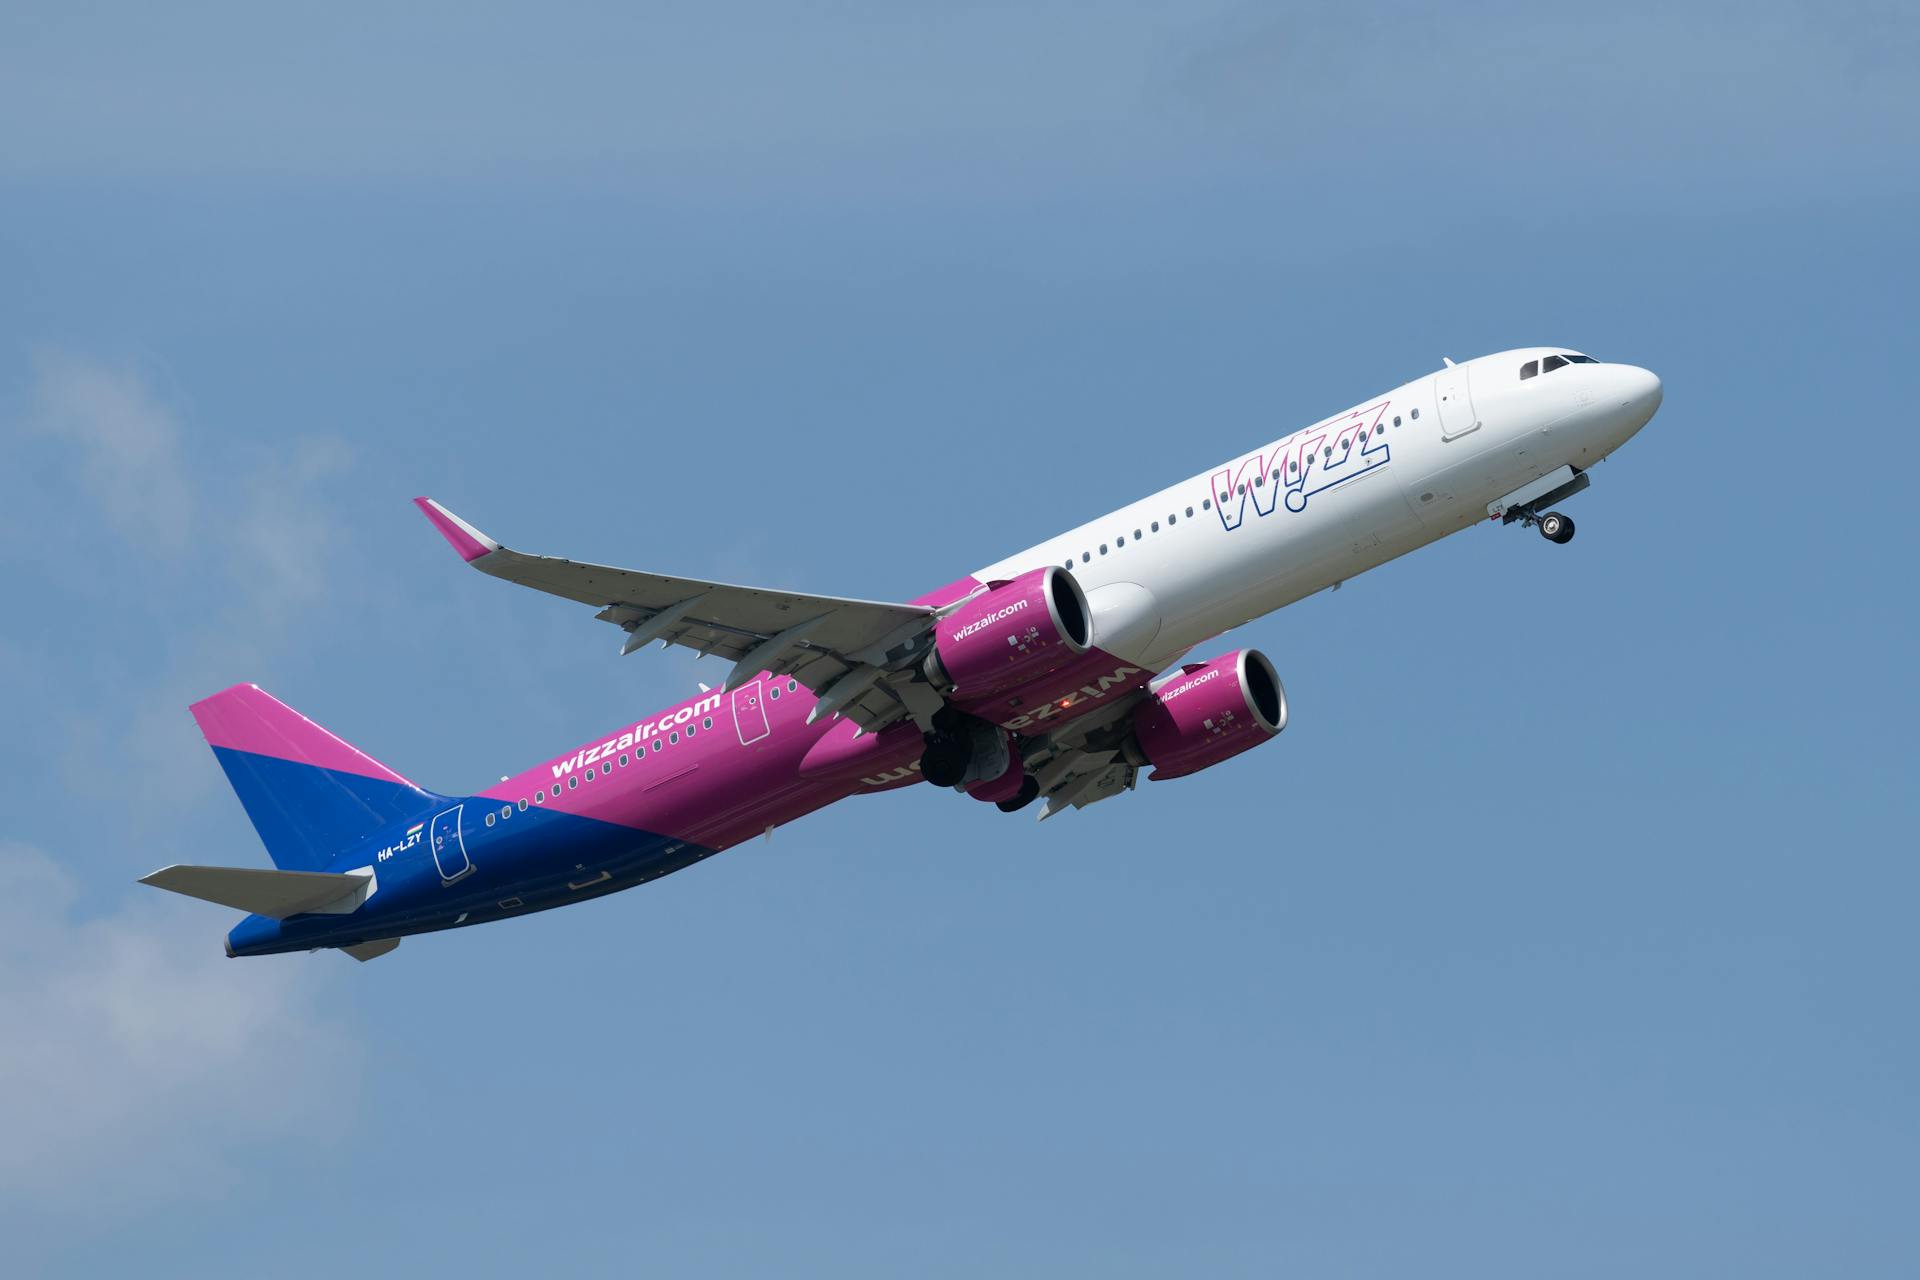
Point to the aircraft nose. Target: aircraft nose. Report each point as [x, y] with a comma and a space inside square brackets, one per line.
[1640, 391]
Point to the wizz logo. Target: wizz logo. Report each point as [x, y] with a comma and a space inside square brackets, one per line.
[1303, 464]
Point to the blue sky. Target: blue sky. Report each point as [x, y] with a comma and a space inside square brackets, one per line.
[1567, 930]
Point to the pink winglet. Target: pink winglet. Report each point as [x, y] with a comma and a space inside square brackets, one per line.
[467, 540]
[247, 718]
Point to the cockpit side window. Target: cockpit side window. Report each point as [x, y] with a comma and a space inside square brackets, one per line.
[1553, 362]
[1529, 369]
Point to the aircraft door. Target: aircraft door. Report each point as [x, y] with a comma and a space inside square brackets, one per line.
[1456, 402]
[449, 850]
[750, 713]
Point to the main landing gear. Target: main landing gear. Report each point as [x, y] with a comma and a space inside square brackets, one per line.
[1029, 792]
[962, 749]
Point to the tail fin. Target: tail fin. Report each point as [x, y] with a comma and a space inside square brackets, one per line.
[310, 795]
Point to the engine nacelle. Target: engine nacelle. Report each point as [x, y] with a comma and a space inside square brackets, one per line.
[1208, 713]
[1010, 636]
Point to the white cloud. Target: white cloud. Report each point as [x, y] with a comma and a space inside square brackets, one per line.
[136, 1060]
[138, 1065]
[272, 550]
[127, 443]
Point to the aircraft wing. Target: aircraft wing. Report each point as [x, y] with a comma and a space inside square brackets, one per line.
[857, 656]
[1080, 763]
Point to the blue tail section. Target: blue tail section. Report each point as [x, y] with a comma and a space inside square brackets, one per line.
[305, 814]
[310, 795]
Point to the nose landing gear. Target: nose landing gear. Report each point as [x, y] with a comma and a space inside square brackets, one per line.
[1555, 527]
[1524, 504]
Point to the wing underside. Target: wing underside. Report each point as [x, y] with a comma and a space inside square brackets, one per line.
[857, 656]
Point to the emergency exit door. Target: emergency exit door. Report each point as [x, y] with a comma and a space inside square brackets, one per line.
[750, 712]
[1456, 402]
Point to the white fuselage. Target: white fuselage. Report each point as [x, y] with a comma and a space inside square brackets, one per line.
[1311, 509]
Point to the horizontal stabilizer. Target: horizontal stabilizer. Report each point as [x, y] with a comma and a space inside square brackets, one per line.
[365, 951]
[275, 894]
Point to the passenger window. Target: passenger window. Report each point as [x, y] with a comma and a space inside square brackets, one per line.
[792, 686]
[656, 744]
[1085, 556]
[506, 811]
[1529, 369]
[1155, 526]
[1103, 548]
[1396, 419]
[1553, 362]
[708, 722]
[489, 819]
[1120, 541]
[572, 783]
[673, 737]
[539, 797]
[1206, 504]
[523, 806]
[1189, 513]
[623, 762]
[1415, 415]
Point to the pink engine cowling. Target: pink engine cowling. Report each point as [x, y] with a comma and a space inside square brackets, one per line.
[1210, 712]
[1018, 632]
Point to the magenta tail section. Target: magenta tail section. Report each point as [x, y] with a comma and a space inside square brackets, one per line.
[309, 793]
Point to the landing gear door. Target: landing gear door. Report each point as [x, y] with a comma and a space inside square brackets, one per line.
[1456, 402]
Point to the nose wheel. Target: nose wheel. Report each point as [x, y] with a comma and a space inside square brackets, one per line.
[1555, 527]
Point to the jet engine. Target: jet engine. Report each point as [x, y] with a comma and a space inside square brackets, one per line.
[1209, 712]
[1010, 635]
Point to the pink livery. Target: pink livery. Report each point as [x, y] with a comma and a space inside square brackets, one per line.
[1035, 680]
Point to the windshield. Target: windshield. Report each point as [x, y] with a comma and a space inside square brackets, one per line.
[1534, 368]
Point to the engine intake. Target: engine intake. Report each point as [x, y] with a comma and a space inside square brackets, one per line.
[1208, 713]
[1011, 635]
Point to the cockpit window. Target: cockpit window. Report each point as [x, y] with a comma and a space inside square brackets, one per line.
[1574, 359]
[1553, 362]
[1529, 369]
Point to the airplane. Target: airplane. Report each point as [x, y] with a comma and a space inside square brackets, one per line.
[1054, 675]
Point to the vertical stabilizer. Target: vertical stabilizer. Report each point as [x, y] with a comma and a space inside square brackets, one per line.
[310, 794]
